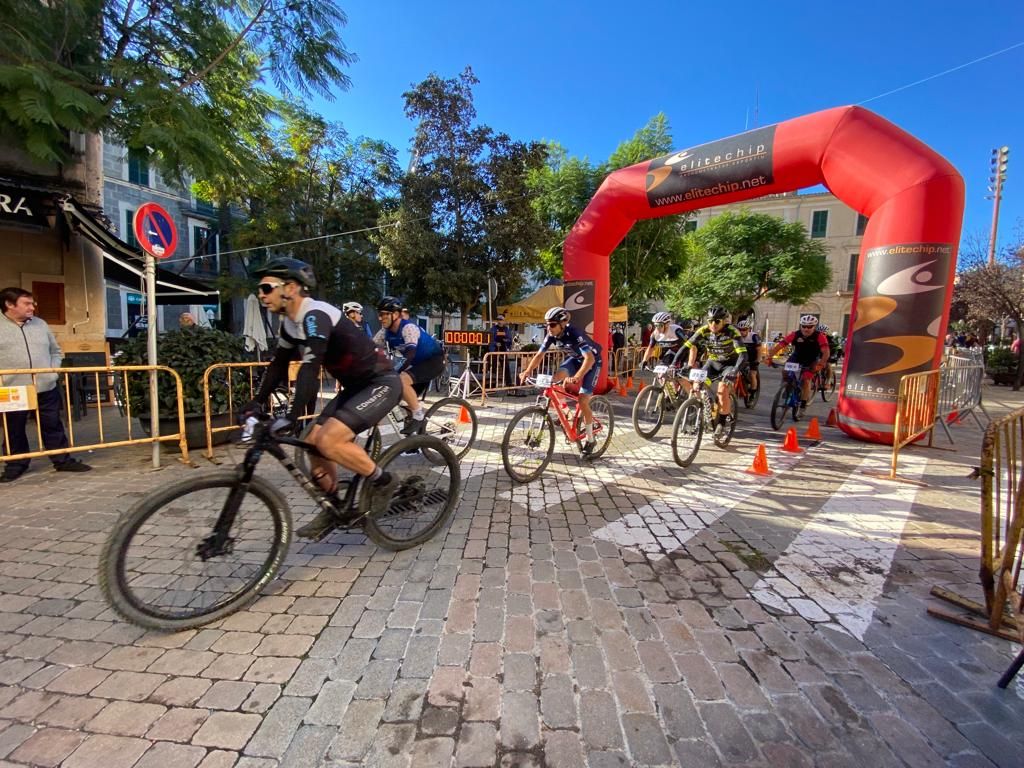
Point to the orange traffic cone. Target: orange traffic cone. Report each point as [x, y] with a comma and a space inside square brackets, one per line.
[464, 417]
[629, 381]
[954, 418]
[641, 387]
[790, 444]
[622, 388]
[832, 420]
[813, 432]
[760, 465]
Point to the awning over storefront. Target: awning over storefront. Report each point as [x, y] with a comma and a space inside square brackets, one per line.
[123, 264]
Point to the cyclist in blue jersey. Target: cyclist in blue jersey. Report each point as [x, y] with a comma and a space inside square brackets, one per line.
[582, 364]
[317, 333]
[424, 356]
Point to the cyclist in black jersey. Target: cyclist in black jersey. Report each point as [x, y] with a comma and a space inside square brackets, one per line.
[320, 336]
[726, 355]
[752, 342]
[810, 350]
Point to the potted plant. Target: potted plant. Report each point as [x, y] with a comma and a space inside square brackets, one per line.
[1001, 365]
[189, 351]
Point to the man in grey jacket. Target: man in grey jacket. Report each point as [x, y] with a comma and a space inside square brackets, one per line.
[27, 342]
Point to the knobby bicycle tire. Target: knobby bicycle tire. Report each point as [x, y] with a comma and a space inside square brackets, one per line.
[115, 581]
[598, 405]
[410, 447]
[722, 440]
[447, 420]
[780, 404]
[687, 431]
[540, 433]
[827, 386]
[650, 401]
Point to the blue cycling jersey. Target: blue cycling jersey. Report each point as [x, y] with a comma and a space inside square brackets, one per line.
[410, 340]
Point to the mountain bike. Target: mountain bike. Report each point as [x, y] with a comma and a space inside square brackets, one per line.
[655, 401]
[698, 413]
[787, 399]
[529, 440]
[204, 547]
[744, 390]
[825, 381]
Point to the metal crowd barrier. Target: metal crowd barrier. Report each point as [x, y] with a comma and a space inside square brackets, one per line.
[627, 360]
[938, 397]
[500, 370]
[110, 430]
[1001, 471]
[223, 376]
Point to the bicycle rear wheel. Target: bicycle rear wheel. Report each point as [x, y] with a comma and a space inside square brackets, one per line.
[426, 496]
[724, 435]
[828, 385]
[604, 426]
[687, 430]
[160, 569]
[451, 420]
[649, 411]
[528, 444]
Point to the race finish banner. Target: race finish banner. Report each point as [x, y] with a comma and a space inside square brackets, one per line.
[578, 298]
[728, 165]
[902, 296]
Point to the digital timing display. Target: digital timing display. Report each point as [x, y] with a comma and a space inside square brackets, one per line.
[467, 338]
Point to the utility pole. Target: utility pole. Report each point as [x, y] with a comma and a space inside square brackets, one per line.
[1000, 158]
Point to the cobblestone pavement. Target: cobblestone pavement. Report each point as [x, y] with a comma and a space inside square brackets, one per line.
[625, 613]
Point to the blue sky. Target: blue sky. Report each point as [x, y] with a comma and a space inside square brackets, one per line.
[589, 74]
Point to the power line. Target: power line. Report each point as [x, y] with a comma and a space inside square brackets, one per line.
[940, 74]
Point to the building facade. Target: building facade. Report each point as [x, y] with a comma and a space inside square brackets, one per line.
[839, 227]
[128, 182]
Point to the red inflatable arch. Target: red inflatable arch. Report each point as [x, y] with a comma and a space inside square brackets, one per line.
[913, 197]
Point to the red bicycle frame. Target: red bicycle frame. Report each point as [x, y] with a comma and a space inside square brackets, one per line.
[562, 400]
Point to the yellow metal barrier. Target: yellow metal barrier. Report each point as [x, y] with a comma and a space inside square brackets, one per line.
[222, 375]
[1001, 470]
[109, 430]
[915, 412]
[501, 370]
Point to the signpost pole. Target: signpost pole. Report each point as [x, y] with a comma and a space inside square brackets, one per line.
[154, 410]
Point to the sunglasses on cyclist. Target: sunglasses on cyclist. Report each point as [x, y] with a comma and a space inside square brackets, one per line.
[553, 324]
[266, 288]
[808, 326]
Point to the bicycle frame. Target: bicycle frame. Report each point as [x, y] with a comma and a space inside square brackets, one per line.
[562, 400]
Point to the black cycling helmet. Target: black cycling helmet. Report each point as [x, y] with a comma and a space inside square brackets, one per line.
[288, 269]
[717, 312]
[389, 304]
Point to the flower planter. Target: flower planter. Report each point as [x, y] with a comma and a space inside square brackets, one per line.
[195, 429]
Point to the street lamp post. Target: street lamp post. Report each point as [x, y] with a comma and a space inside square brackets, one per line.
[1000, 158]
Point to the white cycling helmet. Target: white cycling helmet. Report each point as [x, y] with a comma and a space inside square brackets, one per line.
[661, 317]
[557, 315]
[352, 306]
[744, 324]
[823, 328]
[808, 320]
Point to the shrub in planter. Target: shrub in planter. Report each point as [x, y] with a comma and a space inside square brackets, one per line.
[531, 347]
[189, 351]
[1001, 365]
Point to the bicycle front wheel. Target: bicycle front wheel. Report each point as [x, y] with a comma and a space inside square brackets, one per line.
[528, 444]
[649, 411]
[780, 404]
[687, 430]
[604, 425]
[451, 420]
[161, 567]
[426, 496]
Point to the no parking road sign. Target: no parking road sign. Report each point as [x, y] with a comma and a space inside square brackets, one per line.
[155, 231]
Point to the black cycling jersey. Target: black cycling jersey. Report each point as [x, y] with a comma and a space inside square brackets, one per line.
[726, 346]
[575, 342]
[322, 336]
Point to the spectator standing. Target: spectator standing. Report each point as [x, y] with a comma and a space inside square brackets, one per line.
[185, 320]
[1015, 345]
[501, 341]
[645, 335]
[27, 342]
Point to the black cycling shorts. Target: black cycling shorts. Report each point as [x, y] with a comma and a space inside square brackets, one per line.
[425, 371]
[717, 367]
[359, 408]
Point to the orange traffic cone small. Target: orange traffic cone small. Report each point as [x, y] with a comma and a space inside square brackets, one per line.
[790, 444]
[832, 420]
[760, 465]
[954, 418]
[629, 381]
[641, 387]
[464, 417]
[622, 388]
[813, 432]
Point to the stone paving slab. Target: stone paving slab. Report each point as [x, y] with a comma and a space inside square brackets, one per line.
[620, 613]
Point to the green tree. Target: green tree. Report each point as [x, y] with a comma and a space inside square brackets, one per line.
[740, 257]
[652, 253]
[179, 78]
[464, 212]
[316, 184]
